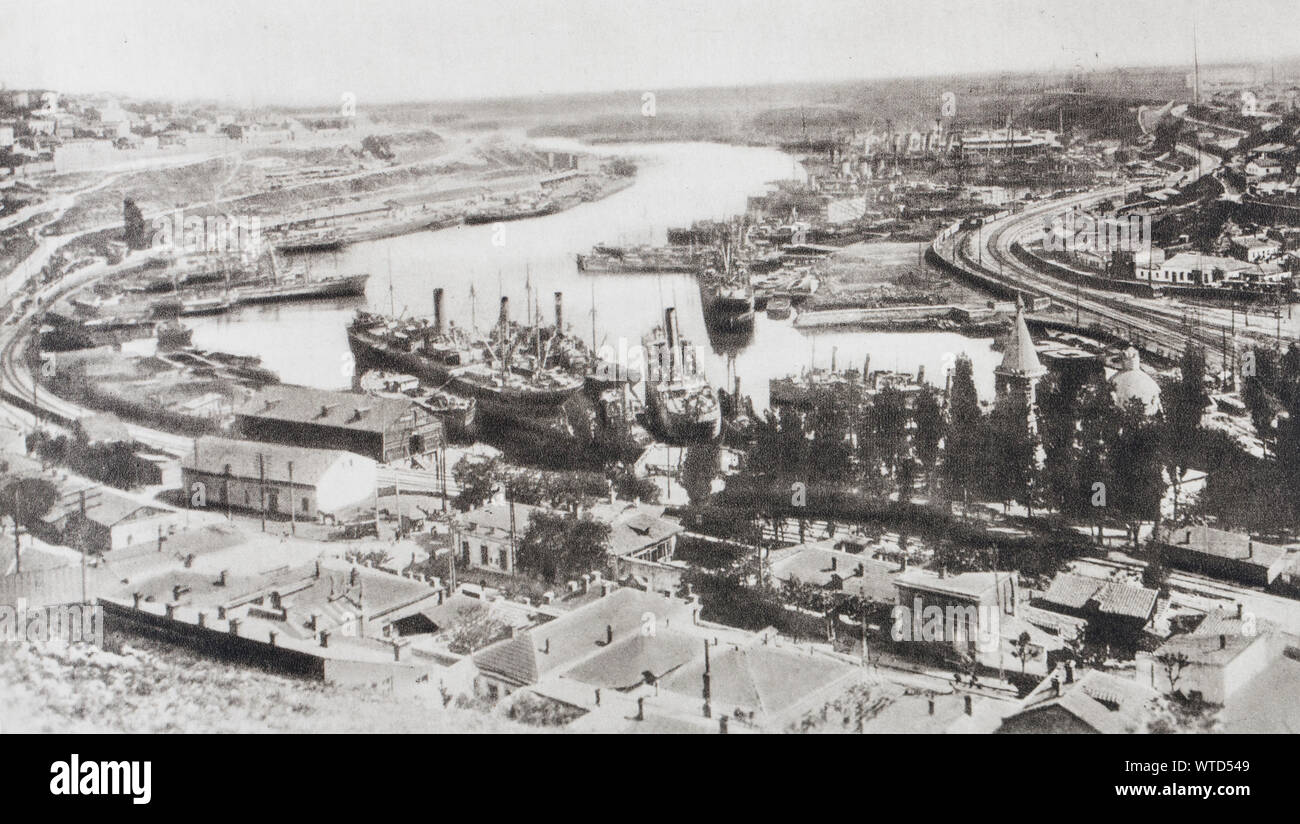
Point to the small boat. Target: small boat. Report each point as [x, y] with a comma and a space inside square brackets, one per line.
[779, 308]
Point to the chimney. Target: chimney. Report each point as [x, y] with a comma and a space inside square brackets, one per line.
[920, 374]
[1056, 689]
[271, 636]
[224, 579]
[203, 619]
[437, 310]
[547, 649]
[1250, 547]
[324, 638]
[670, 327]
[968, 704]
[609, 634]
[234, 626]
[722, 724]
[1240, 609]
[932, 705]
[1223, 641]
[397, 651]
[170, 609]
[1069, 672]
[135, 596]
[903, 562]
[221, 611]
[504, 320]
[441, 593]
[598, 696]
[640, 709]
[559, 313]
[943, 572]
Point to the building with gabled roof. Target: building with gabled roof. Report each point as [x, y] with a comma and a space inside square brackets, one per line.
[278, 479]
[1093, 702]
[381, 428]
[1115, 610]
[568, 641]
[1234, 556]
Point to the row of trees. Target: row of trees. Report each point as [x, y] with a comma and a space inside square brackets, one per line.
[1086, 458]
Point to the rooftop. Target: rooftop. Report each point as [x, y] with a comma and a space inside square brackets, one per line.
[322, 407]
[571, 638]
[1219, 543]
[219, 456]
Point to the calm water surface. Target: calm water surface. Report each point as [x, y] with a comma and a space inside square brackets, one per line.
[676, 184]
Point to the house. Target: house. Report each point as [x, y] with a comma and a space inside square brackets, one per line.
[760, 683]
[969, 614]
[1209, 666]
[1255, 249]
[642, 541]
[1091, 702]
[1263, 166]
[326, 597]
[568, 641]
[382, 429]
[1190, 268]
[1233, 556]
[279, 480]
[849, 574]
[488, 537]
[1115, 610]
[110, 521]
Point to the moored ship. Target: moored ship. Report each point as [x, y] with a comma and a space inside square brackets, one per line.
[449, 359]
[644, 259]
[679, 400]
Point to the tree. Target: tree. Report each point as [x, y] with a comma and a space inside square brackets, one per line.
[928, 417]
[1184, 403]
[473, 629]
[964, 436]
[1174, 663]
[1013, 451]
[698, 471]
[479, 480]
[1024, 649]
[560, 546]
[133, 222]
[1136, 468]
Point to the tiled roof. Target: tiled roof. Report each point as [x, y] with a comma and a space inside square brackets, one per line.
[212, 455]
[1109, 597]
[812, 564]
[634, 526]
[760, 678]
[627, 662]
[322, 407]
[571, 638]
[1106, 703]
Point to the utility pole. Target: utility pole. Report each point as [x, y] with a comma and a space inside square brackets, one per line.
[18, 560]
[261, 487]
[293, 519]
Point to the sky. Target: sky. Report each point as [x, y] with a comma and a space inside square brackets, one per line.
[310, 52]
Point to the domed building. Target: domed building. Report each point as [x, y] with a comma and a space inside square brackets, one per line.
[1131, 382]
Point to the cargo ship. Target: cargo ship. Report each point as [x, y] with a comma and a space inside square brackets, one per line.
[450, 360]
[801, 391]
[645, 259]
[295, 243]
[507, 212]
[339, 286]
[679, 401]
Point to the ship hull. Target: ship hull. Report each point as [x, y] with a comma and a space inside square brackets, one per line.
[531, 408]
[351, 286]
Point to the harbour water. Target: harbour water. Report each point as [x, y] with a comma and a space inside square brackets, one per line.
[676, 184]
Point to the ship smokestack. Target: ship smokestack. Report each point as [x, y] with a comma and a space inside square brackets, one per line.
[437, 310]
[670, 326]
[504, 320]
[834, 351]
[559, 313]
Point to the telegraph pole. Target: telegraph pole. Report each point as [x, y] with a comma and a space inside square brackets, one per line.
[293, 518]
[261, 487]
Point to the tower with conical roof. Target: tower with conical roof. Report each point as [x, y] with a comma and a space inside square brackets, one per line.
[1020, 369]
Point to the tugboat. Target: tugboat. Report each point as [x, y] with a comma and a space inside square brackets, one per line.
[679, 400]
